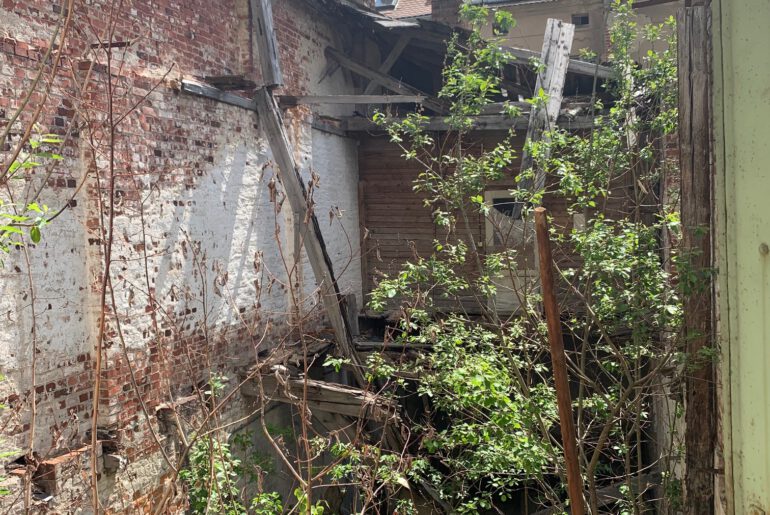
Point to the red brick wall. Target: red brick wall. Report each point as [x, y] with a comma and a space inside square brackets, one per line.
[196, 273]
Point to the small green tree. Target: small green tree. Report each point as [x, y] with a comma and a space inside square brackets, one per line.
[491, 426]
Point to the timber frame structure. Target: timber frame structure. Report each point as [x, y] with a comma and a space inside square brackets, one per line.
[429, 40]
[214, 150]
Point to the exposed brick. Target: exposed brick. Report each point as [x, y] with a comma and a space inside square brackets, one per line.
[190, 166]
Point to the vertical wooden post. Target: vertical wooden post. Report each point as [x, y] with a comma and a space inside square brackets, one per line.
[559, 360]
[363, 237]
[696, 173]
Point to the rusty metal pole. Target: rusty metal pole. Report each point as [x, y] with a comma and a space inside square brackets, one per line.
[559, 360]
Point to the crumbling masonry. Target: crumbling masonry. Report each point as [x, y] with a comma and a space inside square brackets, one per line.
[182, 199]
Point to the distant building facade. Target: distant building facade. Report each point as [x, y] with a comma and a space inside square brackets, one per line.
[590, 17]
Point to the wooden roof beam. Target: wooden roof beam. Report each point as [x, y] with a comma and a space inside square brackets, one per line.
[291, 100]
[573, 66]
[386, 81]
[436, 41]
[328, 397]
[389, 61]
[498, 122]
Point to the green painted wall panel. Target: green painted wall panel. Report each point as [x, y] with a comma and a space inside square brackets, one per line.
[742, 133]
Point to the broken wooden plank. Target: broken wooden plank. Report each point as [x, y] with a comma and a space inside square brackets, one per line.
[573, 65]
[386, 81]
[557, 44]
[329, 397]
[389, 61]
[293, 100]
[204, 90]
[267, 43]
[323, 270]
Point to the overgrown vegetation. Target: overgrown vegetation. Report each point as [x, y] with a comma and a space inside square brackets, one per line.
[490, 429]
[485, 437]
[18, 221]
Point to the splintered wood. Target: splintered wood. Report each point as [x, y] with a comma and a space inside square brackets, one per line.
[323, 396]
[557, 45]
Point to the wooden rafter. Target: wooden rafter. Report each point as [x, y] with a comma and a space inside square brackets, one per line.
[389, 61]
[384, 80]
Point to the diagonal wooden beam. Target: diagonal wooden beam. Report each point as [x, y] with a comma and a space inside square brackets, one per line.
[557, 44]
[386, 81]
[312, 239]
[320, 262]
[389, 61]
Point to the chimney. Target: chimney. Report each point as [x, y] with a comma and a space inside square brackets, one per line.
[445, 11]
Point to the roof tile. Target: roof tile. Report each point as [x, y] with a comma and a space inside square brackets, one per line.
[410, 9]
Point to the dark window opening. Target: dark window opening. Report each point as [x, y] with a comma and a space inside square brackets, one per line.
[505, 206]
[580, 20]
